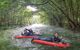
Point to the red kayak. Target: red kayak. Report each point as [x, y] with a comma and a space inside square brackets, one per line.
[61, 45]
[19, 37]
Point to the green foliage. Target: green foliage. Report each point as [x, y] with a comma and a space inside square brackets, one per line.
[5, 43]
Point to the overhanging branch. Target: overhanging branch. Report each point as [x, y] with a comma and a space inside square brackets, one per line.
[44, 2]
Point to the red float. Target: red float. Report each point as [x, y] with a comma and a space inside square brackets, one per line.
[19, 37]
[61, 45]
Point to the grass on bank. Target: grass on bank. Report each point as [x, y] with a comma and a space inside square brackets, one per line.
[5, 43]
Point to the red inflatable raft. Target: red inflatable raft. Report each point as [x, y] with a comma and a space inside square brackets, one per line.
[19, 37]
[52, 43]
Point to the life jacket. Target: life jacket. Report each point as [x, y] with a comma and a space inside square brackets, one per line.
[57, 39]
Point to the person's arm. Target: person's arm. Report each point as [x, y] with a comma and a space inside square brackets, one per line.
[31, 31]
[28, 30]
[61, 37]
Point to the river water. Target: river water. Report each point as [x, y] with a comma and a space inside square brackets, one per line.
[25, 44]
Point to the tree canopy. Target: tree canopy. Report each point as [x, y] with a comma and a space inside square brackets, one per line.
[62, 13]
